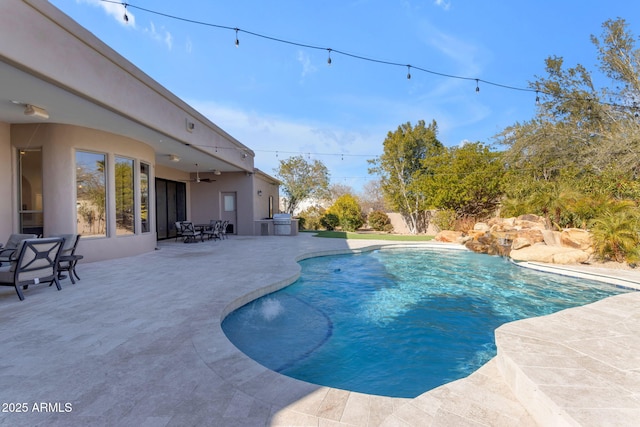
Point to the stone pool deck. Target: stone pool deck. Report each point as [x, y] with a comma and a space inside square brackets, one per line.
[138, 342]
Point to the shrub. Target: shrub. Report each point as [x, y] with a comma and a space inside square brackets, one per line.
[379, 221]
[615, 234]
[444, 219]
[329, 221]
[348, 211]
[311, 218]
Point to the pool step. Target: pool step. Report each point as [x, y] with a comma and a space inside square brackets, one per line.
[577, 367]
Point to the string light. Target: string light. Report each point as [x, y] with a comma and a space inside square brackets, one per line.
[408, 72]
[126, 18]
[359, 57]
[537, 98]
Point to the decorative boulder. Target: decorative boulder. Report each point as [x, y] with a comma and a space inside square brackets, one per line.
[520, 242]
[481, 226]
[576, 238]
[549, 254]
[449, 236]
[551, 238]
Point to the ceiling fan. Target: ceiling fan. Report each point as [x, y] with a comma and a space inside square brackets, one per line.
[198, 179]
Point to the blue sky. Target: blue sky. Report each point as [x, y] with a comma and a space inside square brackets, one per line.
[283, 100]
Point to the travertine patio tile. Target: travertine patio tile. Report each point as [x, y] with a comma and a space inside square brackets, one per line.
[138, 342]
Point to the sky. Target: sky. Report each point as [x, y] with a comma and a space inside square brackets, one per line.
[276, 92]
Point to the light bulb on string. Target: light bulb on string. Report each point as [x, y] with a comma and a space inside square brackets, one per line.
[126, 17]
[237, 41]
[537, 98]
[329, 58]
[408, 72]
[477, 86]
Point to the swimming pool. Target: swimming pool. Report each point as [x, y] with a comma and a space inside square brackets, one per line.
[397, 322]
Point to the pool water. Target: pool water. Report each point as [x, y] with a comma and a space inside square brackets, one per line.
[397, 322]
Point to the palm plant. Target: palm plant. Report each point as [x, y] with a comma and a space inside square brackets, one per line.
[615, 232]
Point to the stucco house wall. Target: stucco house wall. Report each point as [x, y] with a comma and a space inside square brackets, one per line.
[7, 220]
[59, 144]
[97, 101]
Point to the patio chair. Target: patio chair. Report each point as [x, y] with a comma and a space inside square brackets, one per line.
[68, 257]
[36, 262]
[189, 232]
[178, 230]
[223, 229]
[10, 247]
[213, 230]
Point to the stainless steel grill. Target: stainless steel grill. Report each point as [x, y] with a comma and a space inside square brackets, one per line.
[282, 224]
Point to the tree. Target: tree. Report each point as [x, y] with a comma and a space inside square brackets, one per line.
[348, 211]
[466, 180]
[400, 168]
[581, 152]
[371, 198]
[302, 180]
[337, 190]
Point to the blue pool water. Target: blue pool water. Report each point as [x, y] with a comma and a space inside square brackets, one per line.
[397, 322]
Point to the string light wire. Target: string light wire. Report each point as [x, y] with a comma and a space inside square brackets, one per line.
[316, 47]
[237, 30]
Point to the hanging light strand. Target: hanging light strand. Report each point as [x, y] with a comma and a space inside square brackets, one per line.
[354, 56]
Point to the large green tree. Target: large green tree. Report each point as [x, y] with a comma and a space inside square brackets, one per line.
[465, 179]
[400, 168]
[302, 180]
[582, 134]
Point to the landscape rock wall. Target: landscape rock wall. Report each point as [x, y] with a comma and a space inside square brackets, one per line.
[525, 238]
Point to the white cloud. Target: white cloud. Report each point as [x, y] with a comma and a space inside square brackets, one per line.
[161, 35]
[343, 151]
[443, 4]
[115, 10]
[305, 61]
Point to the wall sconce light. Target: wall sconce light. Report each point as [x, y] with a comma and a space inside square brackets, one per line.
[190, 126]
[32, 110]
[174, 158]
[260, 193]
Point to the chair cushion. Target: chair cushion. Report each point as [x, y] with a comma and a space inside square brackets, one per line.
[6, 274]
[15, 239]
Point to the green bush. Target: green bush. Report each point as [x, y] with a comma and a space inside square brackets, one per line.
[379, 221]
[329, 221]
[348, 211]
[311, 218]
[615, 232]
[445, 219]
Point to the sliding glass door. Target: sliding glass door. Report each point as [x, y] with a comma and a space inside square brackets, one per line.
[171, 206]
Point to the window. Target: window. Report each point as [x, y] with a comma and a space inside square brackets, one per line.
[144, 197]
[91, 192]
[31, 212]
[125, 196]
